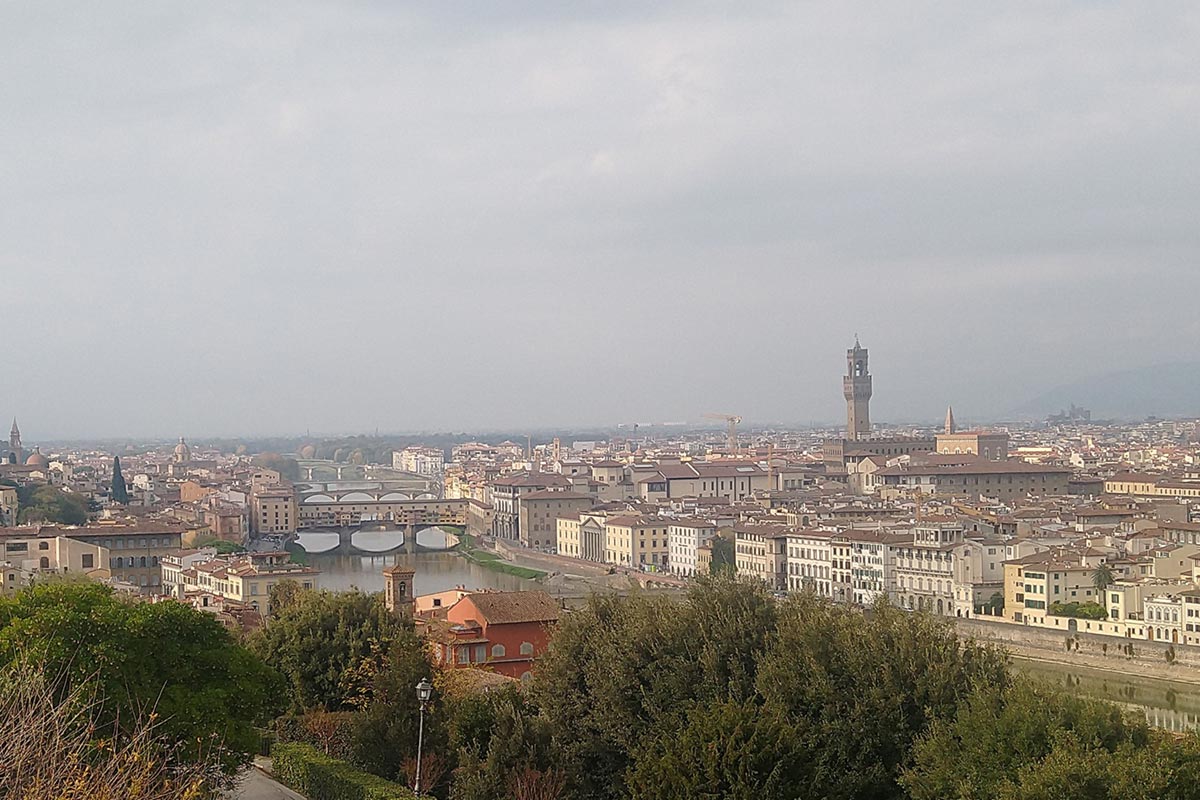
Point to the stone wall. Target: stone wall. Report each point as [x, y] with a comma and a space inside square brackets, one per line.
[1063, 645]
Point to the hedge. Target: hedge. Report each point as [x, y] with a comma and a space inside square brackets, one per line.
[319, 777]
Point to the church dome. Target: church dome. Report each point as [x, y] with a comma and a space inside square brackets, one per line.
[182, 451]
[37, 460]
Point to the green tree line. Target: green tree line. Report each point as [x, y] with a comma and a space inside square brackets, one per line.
[723, 693]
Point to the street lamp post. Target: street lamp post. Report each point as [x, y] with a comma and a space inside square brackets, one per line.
[424, 692]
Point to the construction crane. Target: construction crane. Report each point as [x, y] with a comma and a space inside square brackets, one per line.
[731, 437]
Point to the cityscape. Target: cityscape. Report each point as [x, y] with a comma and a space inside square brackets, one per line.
[1067, 541]
[599, 402]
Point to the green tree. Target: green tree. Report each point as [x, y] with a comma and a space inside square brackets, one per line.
[871, 682]
[222, 546]
[1086, 610]
[328, 645]
[995, 606]
[621, 669]
[727, 751]
[1002, 728]
[120, 492]
[1102, 577]
[51, 505]
[162, 658]
[496, 737]
[724, 558]
[1164, 769]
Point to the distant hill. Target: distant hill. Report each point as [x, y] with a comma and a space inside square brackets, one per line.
[1161, 390]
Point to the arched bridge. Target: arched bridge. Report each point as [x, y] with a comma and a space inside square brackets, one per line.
[354, 507]
[367, 493]
[380, 539]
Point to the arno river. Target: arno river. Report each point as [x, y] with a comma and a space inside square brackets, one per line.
[434, 572]
[1166, 704]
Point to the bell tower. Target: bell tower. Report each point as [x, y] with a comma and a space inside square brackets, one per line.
[14, 443]
[397, 590]
[856, 387]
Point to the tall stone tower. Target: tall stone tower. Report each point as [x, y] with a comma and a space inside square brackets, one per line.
[14, 443]
[397, 590]
[856, 386]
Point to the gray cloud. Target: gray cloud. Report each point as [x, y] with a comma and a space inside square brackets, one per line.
[221, 218]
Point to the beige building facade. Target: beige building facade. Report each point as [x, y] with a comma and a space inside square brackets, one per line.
[539, 512]
[27, 555]
[989, 446]
[273, 509]
[246, 579]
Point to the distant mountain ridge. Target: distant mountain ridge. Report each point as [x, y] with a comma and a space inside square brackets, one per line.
[1164, 390]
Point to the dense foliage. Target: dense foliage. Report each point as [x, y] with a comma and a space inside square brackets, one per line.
[1088, 610]
[205, 690]
[1030, 741]
[724, 558]
[222, 546]
[52, 505]
[329, 645]
[632, 687]
[351, 668]
[723, 694]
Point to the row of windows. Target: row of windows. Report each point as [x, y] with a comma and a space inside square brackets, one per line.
[462, 654]
[132, 561]
[141, 543]
[1160, 615]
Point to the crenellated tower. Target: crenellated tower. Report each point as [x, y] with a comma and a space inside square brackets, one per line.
[856, 386]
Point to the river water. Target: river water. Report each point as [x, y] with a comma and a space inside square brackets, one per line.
[435, 572]
[1171, 705]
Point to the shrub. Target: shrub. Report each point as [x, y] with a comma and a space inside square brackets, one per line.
[331, 732]
[320, 777]
[1087, 610]
[48, 752]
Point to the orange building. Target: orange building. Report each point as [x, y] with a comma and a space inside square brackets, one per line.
[501, 631]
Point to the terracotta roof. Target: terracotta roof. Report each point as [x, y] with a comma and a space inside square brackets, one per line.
[504, 608]
[1134, 477]
[977, 468]
[535, 479]
[1178, 526]
[636, 522]
[551, 494]
[691, 523]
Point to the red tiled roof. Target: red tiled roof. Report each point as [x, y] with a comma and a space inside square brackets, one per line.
[503, 608]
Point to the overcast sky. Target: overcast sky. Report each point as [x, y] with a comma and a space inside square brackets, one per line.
[233, 218]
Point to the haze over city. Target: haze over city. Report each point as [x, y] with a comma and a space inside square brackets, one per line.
[599, 401]
[233, 220]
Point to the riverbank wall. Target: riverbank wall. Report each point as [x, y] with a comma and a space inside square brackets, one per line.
[545, 561]
[1127, 656]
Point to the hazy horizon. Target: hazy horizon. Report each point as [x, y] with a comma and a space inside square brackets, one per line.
[222, 220]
